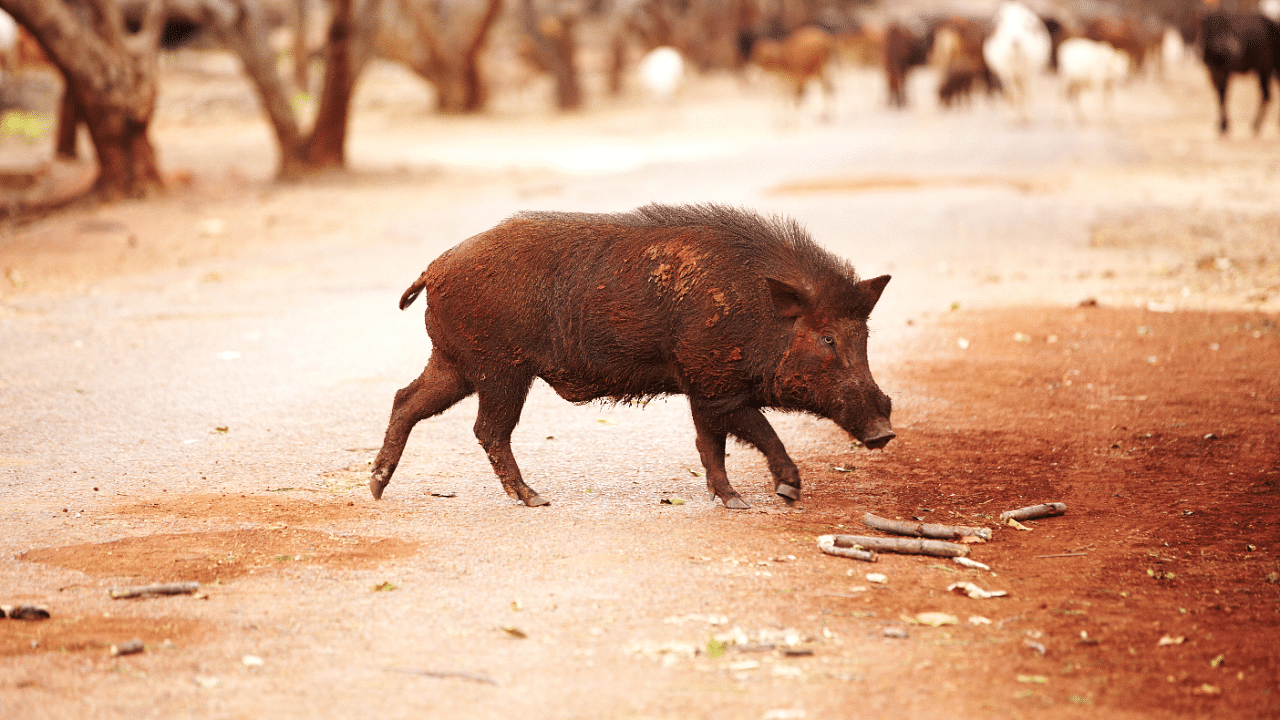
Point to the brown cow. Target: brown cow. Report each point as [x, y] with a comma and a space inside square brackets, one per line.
[957, 53]
[903, 50]
[798, 58]
[1126, 35]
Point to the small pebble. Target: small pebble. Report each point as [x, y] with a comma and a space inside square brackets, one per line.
[895, 632]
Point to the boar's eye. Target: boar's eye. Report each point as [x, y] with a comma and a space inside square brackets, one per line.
[828, 340]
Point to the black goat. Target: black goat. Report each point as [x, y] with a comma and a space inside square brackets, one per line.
[1240, 44]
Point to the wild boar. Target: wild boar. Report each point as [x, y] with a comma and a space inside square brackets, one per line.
[732, 309]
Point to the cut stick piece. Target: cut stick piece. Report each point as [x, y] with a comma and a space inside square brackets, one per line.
[178, 588]
[827, 543]
[902, 546]
[969, 563]
[1034, 511]
[929, 530]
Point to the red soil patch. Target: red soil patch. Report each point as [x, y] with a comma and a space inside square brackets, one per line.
[90, 633]
[1159, 432]
[220, 556]
[276, 508]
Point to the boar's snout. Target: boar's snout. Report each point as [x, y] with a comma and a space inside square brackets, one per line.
[878, 434]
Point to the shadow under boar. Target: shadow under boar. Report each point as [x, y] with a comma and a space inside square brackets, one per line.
[734, 310]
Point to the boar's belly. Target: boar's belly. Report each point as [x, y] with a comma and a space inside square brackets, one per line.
[617, 381]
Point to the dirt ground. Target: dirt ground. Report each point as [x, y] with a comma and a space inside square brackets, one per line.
[193, 387]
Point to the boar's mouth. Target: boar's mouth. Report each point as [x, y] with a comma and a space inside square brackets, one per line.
[879, 441]
[877, 434]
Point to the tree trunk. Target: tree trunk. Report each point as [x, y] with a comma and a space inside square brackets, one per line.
[301, 53]
[326, 148]
[553, 41]
[448, 57]
[111, 76]
[240, 24]
[69, 119]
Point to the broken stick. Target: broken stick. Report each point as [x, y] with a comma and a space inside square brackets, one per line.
[903, 546]
[827, 543]
[929, 530]
[1035, 511]
[447, 674]
[133, 647]
[178, 588]
[24, 612]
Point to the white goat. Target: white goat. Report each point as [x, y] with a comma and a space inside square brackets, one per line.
[1017, 51]
[8, 43]
[661, 72]
[1089, 64]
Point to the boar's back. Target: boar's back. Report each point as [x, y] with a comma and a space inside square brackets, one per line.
[661, 300]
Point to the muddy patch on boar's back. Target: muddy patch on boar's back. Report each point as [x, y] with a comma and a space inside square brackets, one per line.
[683, 271]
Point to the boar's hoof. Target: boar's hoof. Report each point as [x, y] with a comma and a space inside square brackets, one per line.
[790, 493]
[537, 501]
[377, 484]
[736, 503]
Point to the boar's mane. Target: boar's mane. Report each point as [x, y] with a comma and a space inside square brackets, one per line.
[772, 246]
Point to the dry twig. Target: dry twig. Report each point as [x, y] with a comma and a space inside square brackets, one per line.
[447, 674]
[178, 588]
[133, 647]
[1041, 557]
[904, 546]
[929, 530]
[1034, 511]
[827, 543]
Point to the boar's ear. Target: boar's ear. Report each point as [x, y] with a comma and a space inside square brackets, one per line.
[788, 301]
[871, 290]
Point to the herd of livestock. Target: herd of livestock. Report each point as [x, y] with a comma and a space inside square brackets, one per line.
[1001, 55]
[997, 55]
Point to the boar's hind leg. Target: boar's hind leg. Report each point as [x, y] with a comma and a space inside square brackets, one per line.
[436, 390]
[500, 406]
[749, 425]
[711, 438]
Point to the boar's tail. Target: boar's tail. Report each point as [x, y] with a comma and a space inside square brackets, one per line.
[414, 290]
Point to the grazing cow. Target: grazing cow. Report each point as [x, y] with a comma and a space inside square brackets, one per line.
[1240, 44]
[1126, 35]
[1016, 52]
[903, 50]
[957, 53]
[1089, 64]
[798, 58]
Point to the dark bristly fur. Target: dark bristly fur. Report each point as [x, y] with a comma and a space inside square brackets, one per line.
[734, 310]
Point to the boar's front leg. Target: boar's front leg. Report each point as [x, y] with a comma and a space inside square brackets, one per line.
[437, 389]
[712, 432]
[749, 425]
[500, 404]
